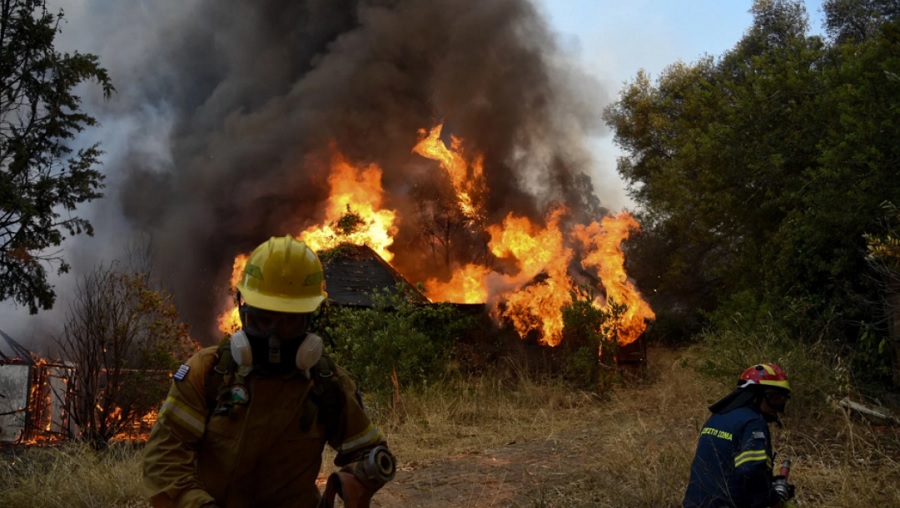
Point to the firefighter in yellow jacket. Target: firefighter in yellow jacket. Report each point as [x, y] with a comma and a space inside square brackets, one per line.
[245, 423]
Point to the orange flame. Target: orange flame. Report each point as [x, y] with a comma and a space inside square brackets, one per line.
[533, 298]
[604, 244]
[356, 195]
[467, 179]
[466, 286]
[536, 306]
[230, 321]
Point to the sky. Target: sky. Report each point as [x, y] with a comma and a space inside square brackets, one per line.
[609, 40]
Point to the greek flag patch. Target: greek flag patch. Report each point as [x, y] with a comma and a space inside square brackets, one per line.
[181, 373]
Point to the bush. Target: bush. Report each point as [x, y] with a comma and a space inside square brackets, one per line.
[589, 344]
[414, 340]
[814, 371]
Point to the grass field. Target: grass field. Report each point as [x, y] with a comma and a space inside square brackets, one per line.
[631, 447]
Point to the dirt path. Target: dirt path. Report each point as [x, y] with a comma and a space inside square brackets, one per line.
[512, 475]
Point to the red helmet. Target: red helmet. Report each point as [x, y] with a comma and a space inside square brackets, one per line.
[767, 374]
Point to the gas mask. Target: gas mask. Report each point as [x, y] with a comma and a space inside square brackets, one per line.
[276, 355]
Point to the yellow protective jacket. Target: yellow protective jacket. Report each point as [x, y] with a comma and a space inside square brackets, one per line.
[264, 450]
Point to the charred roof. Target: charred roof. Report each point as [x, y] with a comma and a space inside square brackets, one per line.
[353, 273]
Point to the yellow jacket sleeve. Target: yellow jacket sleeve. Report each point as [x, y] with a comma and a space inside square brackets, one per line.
[169, 462]
[357, 433]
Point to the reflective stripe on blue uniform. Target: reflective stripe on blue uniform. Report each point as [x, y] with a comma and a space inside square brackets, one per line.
[733, 463]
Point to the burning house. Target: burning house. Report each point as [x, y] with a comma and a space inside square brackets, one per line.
[529, 270]
[39, 403]
[449, 137]
[34, 395]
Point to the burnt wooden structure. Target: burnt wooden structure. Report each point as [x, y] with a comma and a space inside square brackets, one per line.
[34, 396]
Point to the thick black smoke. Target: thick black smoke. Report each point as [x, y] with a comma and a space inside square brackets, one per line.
[257, 91]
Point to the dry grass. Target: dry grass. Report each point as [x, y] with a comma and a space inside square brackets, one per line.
[632, 448]
[70, 476]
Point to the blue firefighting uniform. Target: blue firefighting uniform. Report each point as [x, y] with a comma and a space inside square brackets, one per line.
[733, 463]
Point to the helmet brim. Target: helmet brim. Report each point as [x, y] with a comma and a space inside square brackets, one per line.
[288, 304]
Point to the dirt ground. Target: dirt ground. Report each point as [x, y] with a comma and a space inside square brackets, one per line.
[513, 475]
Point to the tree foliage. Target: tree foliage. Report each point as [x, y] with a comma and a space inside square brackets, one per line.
[857, 20]
[123, 339]
[884, 257]
[759, 172]
[41, 180]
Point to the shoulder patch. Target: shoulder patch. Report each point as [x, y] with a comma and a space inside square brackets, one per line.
[758, 434]
[181, 373]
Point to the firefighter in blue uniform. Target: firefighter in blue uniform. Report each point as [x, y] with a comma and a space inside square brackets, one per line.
[733, 463]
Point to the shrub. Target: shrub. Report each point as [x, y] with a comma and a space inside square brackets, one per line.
[589, 342]
[414, 340]
[814, 373]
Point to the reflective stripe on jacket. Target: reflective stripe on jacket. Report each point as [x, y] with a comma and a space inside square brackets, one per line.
[259, 454]
[733, 463]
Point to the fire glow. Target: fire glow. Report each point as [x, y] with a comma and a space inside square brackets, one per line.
[535, 283]
[355, 194]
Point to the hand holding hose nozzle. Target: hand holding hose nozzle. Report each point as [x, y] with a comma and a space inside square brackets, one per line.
[376, 468]
[784, 489]
[356, 483]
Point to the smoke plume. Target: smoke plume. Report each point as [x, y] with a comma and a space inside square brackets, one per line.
[220, 133]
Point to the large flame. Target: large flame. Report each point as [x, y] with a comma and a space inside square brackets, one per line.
[534, 283]
[603, 242]
[537, 306]
[354, 212]
[467, 177]
[531, 306]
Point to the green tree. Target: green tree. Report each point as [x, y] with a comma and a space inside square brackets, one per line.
[590, 342]
[41, 180]
[760, 172]
[857, 20]
[819, 249]
[711, 148]
[124, 339]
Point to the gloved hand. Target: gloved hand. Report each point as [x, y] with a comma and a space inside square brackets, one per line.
[377, 467]
[349, 488]
[784, 489]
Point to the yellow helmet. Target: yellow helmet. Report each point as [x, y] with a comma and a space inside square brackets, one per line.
[283, 275]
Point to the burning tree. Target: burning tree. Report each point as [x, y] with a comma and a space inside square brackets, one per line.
[124, 339]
